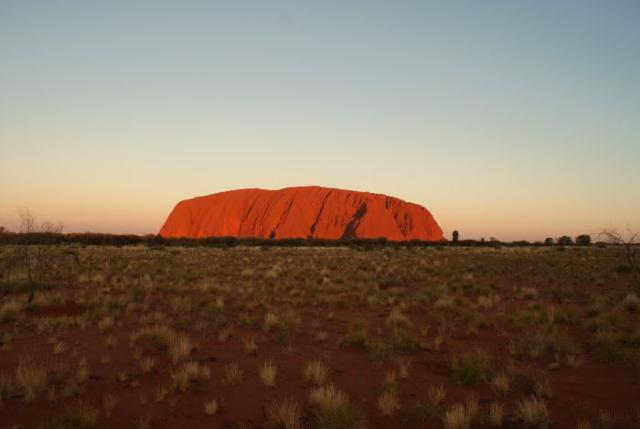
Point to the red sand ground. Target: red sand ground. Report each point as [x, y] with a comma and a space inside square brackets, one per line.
[330, 290]
[301, 212]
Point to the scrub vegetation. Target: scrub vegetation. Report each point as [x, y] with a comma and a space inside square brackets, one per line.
[320, 337]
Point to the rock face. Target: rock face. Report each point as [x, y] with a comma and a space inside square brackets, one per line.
[300, 212]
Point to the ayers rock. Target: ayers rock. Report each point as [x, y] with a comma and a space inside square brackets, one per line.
[301, 212]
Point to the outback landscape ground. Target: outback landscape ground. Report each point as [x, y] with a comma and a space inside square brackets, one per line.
[275, 337]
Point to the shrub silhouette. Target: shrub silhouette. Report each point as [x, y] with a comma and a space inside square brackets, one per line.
[583, 240]
[565, 240]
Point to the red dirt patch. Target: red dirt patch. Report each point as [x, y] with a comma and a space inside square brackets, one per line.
[69, 308]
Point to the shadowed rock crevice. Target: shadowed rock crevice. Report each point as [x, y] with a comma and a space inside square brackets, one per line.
[350, 230]
[315, 223]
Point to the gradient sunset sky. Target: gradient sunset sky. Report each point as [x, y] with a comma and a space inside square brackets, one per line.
[513, 119]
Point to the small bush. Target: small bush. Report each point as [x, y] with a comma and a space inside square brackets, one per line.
[356, 335]
[471, 368]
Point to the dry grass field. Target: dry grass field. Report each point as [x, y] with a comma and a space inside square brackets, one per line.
[261, 337]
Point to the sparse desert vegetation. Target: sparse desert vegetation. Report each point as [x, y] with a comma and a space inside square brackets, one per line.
[313, 337]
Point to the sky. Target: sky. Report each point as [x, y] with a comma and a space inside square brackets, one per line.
[507, 119]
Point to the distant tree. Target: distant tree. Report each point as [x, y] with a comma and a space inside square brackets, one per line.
[33, 263]
[1, 229]
[583, 240]
[565, 240]
[548, 241]
[455, 236]
[630, 244]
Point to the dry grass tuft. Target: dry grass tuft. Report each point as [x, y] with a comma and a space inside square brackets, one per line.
[403, 365]
[179, 348]
[59, 348]
[606, 419]
[327, 396]
[143, 422]
[80, 416]
[109, 403]
[333, 409]
[211, 407]
[456, 417]
[389, 402]
[285, 414]
[224, 334]
[10, 311]
[187, 375]
[496, 414]
[147, 364]
[431, 407]
[501, 383]
[316, 372]
[31, 377]
[460, 416]
[250, 345]
[268, 371]
[233, 374]
[533, 411]
[270, 320]
[106, 324]
[583, 424]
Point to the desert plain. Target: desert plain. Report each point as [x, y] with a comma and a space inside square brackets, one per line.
[320, 337]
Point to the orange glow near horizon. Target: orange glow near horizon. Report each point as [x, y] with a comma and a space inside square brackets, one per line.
[499, 130]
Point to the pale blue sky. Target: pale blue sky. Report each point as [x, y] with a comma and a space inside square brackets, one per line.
[511, 119]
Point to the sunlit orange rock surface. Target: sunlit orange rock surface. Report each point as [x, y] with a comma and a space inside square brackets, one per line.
[301, 212]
